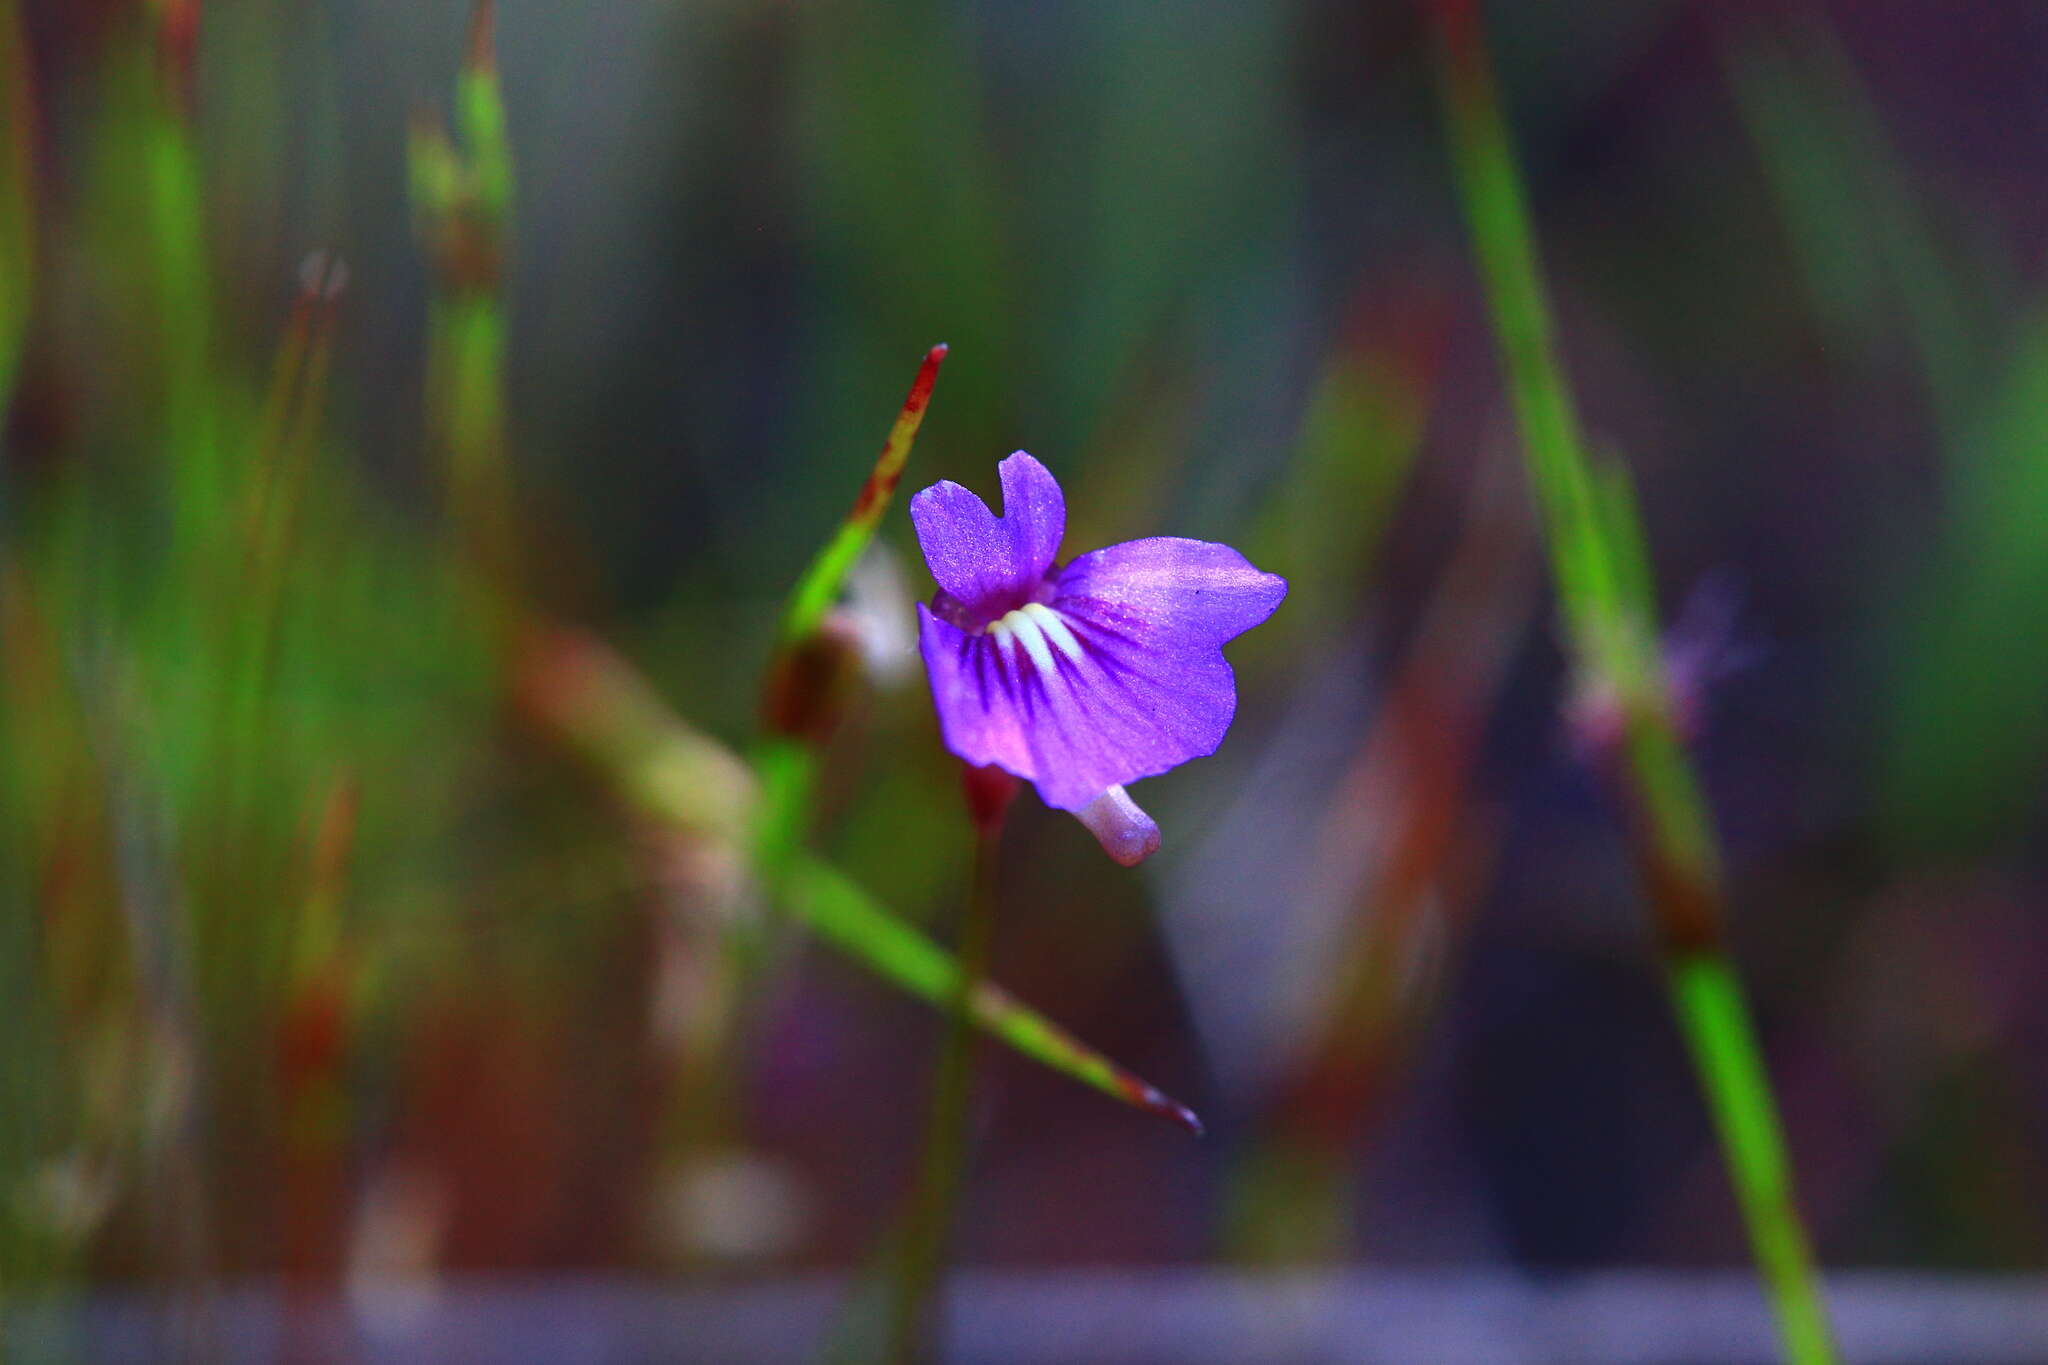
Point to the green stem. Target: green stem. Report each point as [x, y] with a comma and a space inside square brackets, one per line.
[1599, 565]
[468, 341]
[787, 769]
[928, 1227]
[17, 196]
[1715, 1020]
[1499, 220]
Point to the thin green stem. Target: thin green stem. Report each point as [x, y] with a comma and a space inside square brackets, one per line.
[1499, 219]
[1715, 1020]
[1600, 566]
[17, 196]
[928, 1228]
[468, 344]
[787, 769]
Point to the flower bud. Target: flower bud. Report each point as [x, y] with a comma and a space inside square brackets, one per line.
[810, 684]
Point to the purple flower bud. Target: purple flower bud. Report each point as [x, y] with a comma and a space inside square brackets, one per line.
[1078, 679]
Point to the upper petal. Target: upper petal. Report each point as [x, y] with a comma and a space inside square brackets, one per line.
[992, 564]
[1179, 597]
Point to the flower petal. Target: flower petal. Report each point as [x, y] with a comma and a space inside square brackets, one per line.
[1074, 705]
[992, 564]
[1175, 598]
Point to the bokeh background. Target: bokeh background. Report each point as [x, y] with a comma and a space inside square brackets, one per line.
[337, 943]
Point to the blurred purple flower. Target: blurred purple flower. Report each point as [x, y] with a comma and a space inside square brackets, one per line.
[1702, 649]
[1082, 678]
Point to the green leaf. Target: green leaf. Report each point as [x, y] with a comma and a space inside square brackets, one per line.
[840, 912]
[821, 583]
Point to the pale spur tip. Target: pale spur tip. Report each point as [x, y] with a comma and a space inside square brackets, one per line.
[1125, 832]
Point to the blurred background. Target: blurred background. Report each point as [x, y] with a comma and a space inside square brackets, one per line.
[356, 926]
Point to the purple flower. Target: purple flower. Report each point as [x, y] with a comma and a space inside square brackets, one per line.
[1081, 678]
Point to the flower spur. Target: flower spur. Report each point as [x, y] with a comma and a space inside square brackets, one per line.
[1083, 678]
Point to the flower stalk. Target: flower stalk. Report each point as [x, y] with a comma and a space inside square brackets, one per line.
[927, 1230]
[1596, 550]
